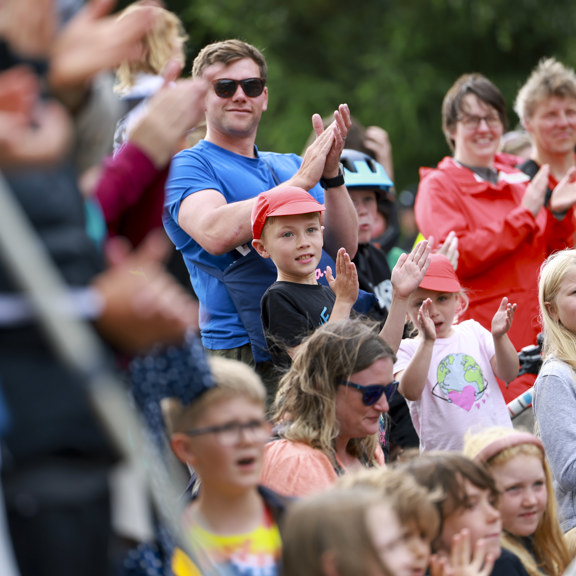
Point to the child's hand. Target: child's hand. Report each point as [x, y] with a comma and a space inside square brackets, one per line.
[410, 270]
[502, 320]
[425, 323]
[461, 561]
[345, 285]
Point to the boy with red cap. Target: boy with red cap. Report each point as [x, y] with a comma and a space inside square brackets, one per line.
[448, 373]
[287, 227]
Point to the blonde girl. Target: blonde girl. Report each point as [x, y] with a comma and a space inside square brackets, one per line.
[527, 504]
[138, 80]
[555, 388]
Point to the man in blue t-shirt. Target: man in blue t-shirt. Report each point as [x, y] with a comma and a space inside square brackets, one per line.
[211, 190]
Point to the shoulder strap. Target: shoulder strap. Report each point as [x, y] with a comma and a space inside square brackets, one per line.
[530, 168]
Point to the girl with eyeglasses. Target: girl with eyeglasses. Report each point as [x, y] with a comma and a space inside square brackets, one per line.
[328, 408]
[448, 373]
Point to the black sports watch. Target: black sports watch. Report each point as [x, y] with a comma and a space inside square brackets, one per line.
[333, 182]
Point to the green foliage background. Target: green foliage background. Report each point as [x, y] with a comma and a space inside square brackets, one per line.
[391, 60]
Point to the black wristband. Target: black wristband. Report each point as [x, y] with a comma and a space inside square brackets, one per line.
[333, 182]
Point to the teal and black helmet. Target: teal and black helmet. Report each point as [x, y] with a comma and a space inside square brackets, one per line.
[360, 170]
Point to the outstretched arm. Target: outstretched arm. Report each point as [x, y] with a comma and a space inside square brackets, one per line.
[406, 277]
[505, 361]
[413, 378]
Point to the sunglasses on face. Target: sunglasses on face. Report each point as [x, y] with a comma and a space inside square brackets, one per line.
[226, 88]
[373, 392]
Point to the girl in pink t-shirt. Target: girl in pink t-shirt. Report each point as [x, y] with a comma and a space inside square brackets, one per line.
[448, 373]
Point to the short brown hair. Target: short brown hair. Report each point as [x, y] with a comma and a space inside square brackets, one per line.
[226, 52]
[479, 86]
[549, 78]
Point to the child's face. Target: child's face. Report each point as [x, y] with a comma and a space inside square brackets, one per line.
[366, 207]
[419, 545]
[230, 458]
[295, 245]
[564, 309]
[442, 311]
[522, 483]
[479, 516]
[388, 538]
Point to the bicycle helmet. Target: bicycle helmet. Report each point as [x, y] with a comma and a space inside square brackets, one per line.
[360, 170]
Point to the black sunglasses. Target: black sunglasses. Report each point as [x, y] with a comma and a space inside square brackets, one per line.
[373, 392]
[226, 88]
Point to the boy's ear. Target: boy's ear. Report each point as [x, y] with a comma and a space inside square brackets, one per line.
[551, 309]
[260, 248]
[180, 444]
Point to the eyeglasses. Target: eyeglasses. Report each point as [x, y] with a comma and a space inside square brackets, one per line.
[371, 393]
[231, 433]
[472, 122]
[226, 88]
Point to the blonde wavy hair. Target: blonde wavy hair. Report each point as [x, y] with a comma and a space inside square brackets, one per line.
[305, 405]
[551, 552]
[159, 45]
[549, 78]
[558, 340]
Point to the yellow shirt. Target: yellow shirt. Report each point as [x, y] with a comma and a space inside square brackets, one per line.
[255, 553]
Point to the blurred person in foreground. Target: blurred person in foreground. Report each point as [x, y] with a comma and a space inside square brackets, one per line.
[55, 457]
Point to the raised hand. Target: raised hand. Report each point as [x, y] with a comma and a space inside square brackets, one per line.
[340, 126]
[31, 132]
[426, 325]
[564, 195]
[462, 561]
[535, 194]
[345, 285]
[170, 113]
[314, 161]
[502, 320]
[410, 270]
[142, 304]
[93, 42]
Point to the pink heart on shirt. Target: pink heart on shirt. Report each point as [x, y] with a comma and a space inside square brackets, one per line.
[465, 398]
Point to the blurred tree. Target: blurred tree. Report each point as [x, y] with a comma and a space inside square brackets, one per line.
[391, 61]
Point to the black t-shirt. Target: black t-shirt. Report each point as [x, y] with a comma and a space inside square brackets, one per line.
[290, 312]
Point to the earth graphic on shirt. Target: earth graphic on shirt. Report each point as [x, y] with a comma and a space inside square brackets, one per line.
[460, 380]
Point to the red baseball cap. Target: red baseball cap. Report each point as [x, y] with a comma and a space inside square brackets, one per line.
[440, 275]
[282, 201]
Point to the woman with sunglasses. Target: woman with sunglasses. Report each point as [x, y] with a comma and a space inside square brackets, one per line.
[328, 408]
[504, 229]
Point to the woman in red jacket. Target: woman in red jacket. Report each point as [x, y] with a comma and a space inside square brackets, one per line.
[504, 230]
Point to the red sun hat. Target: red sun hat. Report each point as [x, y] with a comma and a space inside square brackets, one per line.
[282, 201]
[440, 276]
